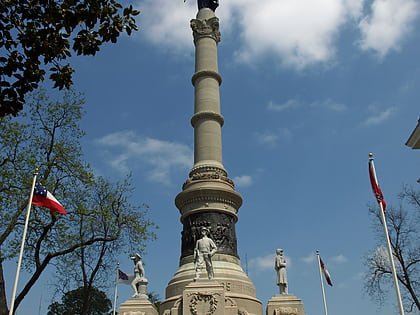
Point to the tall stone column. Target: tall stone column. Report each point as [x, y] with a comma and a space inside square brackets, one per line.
[208, 198]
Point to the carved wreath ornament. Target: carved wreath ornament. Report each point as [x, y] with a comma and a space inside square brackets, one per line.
[209, 298]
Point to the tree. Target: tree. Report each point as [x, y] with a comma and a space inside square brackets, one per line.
[101, 222]
[404, 232]
[37, 36]
[72, 301]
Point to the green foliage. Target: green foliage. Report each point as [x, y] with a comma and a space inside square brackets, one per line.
[71, 302]
[403, 222]
[100, 224]
[37, 35]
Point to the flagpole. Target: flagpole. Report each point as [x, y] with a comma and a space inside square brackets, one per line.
[388, 243]
[322, 283]
[116, 288]
[25, 229]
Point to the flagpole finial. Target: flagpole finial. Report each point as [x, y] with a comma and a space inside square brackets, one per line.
[317, 252]
[371, 156]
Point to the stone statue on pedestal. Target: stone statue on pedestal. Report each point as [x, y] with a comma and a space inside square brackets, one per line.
[205, 248]
[280, 266]
[138, 275]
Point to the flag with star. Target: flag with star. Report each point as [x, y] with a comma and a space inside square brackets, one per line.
[42, 197]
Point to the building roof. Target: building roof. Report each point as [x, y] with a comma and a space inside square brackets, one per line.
[414, 140]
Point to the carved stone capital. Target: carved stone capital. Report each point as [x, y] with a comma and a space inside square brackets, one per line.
[206, 28]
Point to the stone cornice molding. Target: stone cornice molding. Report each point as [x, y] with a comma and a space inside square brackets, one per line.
[232, 199]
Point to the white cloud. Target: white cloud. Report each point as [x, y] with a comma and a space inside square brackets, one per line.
[379, 117]
[269, 138]
[388, 24]
[308, 259]
[243, 181]
[127, 150]
[330, 105]
[267, 262]
[300, 32]
[295, 33]
[339, 259]
[166, 24]
[281, 107]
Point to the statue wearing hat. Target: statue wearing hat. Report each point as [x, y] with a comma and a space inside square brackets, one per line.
[280, 266]
[138, 275]
[205, 248]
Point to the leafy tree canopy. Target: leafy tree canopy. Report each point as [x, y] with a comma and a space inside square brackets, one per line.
[101, 222]
[37, 36]
[71, 302]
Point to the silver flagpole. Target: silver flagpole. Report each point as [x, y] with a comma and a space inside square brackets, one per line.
[388, 243]
[25, 229]
[116, 289]
[322, 283]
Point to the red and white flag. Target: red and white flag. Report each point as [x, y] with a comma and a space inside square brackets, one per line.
[377, 192]
[42, 197]
[124, 278]
[325, 272]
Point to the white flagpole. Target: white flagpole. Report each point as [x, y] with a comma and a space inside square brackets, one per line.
[115, 291]
[25, 229]
[322, 283]
[388, 243]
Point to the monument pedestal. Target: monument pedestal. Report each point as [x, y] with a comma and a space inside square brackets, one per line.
[285, 304]
[137, 306]
[206, 297]
[203, 297]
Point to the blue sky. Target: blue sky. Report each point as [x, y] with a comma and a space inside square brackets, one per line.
[309, 89]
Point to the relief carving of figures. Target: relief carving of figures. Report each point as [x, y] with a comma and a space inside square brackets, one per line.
[221, 231]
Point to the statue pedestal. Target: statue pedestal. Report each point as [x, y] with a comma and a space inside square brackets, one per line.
[137, 306]
[285, 304]
[204, 297]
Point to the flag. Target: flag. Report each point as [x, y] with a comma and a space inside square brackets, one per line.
[42, 197]
[123, 278]
[377, 192]
[122, 275]
[325, 272]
